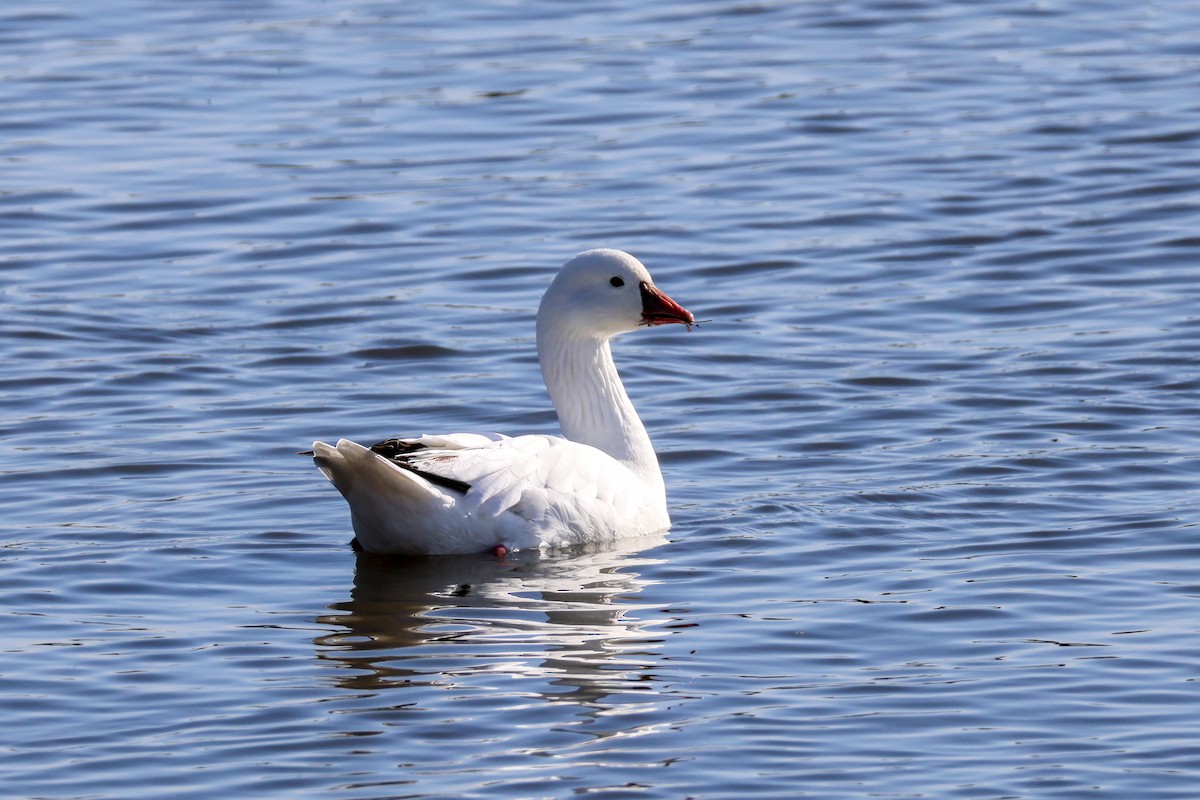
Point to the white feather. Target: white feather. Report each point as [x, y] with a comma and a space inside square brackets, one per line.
[600, 484]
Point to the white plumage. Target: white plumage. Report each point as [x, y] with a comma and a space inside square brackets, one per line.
[464, 492]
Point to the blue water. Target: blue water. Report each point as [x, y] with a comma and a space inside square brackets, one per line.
[932, 461]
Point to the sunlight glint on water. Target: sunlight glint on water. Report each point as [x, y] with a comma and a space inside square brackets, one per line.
[931, 459]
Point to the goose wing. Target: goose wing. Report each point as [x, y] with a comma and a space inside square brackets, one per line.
[538, 478]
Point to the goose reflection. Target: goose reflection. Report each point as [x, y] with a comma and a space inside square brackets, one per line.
[561, 617]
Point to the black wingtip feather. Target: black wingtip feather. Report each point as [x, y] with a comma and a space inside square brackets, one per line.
[396, 450]
[436, 480]
[392, 448]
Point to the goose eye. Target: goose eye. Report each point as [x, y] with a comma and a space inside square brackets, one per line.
[617, 281]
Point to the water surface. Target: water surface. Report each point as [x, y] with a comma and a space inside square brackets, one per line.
[932, 462]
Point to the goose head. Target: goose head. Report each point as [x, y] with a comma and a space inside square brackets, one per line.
[602, 293]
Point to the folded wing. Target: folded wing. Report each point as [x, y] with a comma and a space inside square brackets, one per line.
[538, 478]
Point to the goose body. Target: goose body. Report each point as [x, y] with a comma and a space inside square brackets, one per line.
[599, 481]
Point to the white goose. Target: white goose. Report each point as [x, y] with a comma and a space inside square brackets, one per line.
[465, 493]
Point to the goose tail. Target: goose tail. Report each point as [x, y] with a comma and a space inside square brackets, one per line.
[356, 471]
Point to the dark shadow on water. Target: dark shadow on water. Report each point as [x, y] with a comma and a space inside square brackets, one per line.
[564, 616]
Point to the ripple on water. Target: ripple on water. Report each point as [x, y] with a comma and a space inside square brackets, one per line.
[930, 454]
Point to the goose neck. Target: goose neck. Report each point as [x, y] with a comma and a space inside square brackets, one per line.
[587, 392]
